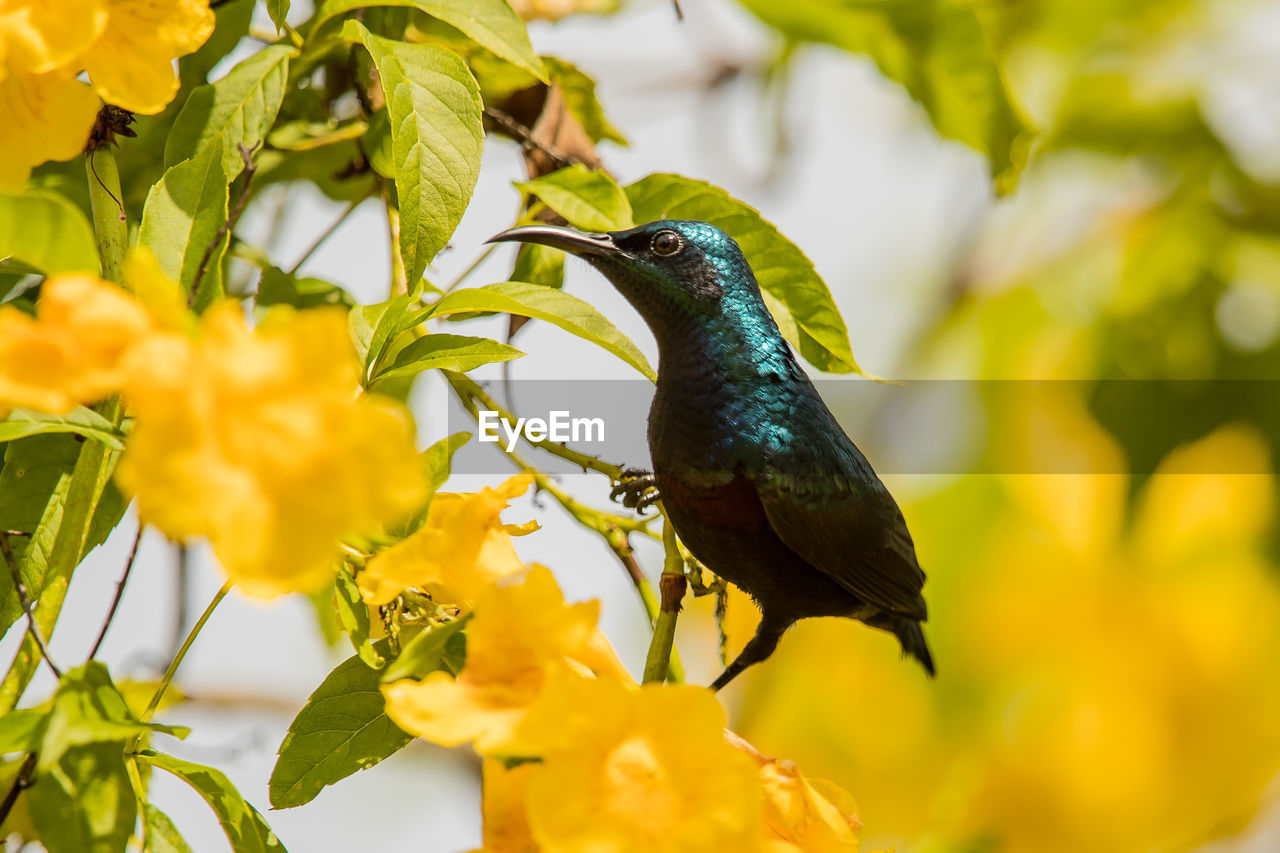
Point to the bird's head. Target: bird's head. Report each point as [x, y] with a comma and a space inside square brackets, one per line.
[661, 267]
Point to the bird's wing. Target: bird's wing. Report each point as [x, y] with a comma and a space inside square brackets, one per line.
[851, 529]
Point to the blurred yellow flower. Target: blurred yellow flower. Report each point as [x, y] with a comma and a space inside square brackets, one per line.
[74, 350]
[506, 823]
[1110, 686]
[257, 440]
[633, 770]
[131, 65]
[798, 818]
[162, 298]
[523, 633]
[47, 117]
[461, 549]
[38, 36]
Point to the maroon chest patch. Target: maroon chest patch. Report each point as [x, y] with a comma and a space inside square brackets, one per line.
[733, 503]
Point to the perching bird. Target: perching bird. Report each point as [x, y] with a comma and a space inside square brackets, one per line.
[760, 482]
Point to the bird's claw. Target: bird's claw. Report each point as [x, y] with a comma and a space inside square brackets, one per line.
[638, 489]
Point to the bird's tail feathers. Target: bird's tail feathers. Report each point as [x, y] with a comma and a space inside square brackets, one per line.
[910, 635]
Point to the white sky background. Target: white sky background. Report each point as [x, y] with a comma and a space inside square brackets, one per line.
[870, 193]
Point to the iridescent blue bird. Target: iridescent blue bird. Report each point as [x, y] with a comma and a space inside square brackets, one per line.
[760, 482]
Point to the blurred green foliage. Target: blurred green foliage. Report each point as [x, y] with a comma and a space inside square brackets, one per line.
[1107, 643]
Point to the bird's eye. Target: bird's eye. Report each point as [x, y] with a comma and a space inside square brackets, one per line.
[666, 243]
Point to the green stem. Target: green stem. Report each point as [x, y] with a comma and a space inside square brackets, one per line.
[475, 265]
[177, 658]
[139, 794]
[110, 226]
[598, 520]
[657, 666]
[399, 275]
[468, 391]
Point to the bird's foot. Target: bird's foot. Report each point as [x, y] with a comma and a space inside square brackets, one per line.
[638, 489]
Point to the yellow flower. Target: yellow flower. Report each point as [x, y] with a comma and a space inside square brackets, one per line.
[522, 634]
[1101, 660]
[633, 770]
[461, 549]
[46, 117]
[159, 295]
[38, 36]
[74, 350]
[798, 818]
[257, 440]
[131, 65]
[506, 823]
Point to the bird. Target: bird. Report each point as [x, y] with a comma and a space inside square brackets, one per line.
[759, 481]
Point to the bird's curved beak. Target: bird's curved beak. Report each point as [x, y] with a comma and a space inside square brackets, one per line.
[566, 239]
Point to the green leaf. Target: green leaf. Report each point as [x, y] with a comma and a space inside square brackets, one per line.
[183, 215]
[75, 514]
[246, 829]
[330, 169]
[304, 135]
[437, 462]
[426, 652]
[580, 97]
[240, 107]
[434, 107]
[278, 10]
[450, 352]
[784, 273]
[587, 199]
[87, 708]
[342, 728]
[33, 488]
[538, 264]
[377, 146]
[162, 835]
[937, 50]
[85, 803]
[353, 618]
[281, 288]
[80, 420]
[489, 23]
[47, 231]
[544, 303]
[20, 730]
[31, 471]
[438, 459]
[375, 327]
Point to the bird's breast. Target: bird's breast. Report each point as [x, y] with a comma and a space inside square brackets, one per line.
[732, 503]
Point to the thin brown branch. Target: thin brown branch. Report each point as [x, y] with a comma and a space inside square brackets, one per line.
[21, 782]
[21, 589]
[620, 543]
[246, 154]
[528, 140]
[115, 601]
[324, 235]
[183, 572]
